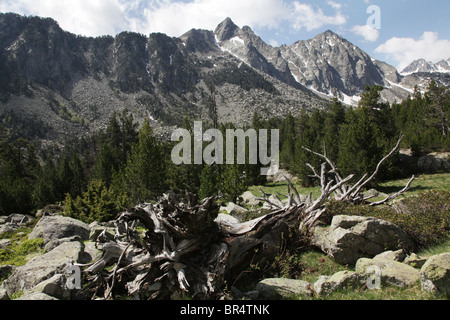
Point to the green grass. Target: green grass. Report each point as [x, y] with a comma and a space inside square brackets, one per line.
[316, 264]
[436, 249]
[387, 293]
[21, 248]
[430, 182]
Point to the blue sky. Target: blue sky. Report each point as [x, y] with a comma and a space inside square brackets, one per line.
[408, 29]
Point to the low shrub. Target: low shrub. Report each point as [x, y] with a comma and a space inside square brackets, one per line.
[98, 203]
[424, 217]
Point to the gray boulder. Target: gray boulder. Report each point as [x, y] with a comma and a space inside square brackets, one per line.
[4, 243]
[415, 261]
[39, 296]
[343, 280]
[96, 229]
[250, 199]
[350, 238]
[52, 244]
[392, 272]
[434, 162]
[226, 220]
[54, 287]
[280, 175]
[8, 227]
[58, 227]
[43, 267]
[274, 288]
[435, 274]
[90, 253]
[398, 255]
[233, 208]
[4, 295]
[19, 218]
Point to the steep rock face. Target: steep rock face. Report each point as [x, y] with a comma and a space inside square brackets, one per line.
[225, 30]
[251, 49]
[330, 64]
[39, 50]
[67, 84]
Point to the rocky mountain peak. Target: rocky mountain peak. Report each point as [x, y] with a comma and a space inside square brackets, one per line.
[197, 40]
[225, 30]
[421, 65]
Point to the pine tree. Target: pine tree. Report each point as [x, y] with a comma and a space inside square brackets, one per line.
[287, 135]
[45, 192]
[209, 181]
[234, 181]
[19, 169]
[439, 106]
[144, 176]
[359, 152]
[97, 203]
[334, 118]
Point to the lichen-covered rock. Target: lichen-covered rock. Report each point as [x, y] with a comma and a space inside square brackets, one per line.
[283, 288]
[249, 198]
[415, 261]
[350, 238]
[435, 274]
[4, 295]
[398, 255]
[39, 296]
[59, 227]
[342, 280]
[392, 272]
[43, 267]
[55, 287]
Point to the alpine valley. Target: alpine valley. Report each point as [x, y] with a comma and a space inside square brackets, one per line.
[55, 84]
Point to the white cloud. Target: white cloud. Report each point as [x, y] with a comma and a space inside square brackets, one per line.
[309, 18]
[335, 5]
[406, 50]
[367, 32]
[173, 17]
[86, 17]
[176, 17]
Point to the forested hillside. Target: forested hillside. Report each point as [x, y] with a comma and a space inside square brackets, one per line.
[94, 178]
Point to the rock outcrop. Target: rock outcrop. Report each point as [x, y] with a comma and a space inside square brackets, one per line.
[435, 274]
[283, 288]
[350, 238]
[58, 227]
[392, 272]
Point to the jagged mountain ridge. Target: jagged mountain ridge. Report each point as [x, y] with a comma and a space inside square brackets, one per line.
[327, 64]
[69, 85]
[421, 65]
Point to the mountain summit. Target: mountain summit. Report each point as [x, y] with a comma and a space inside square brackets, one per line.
[225, 30]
